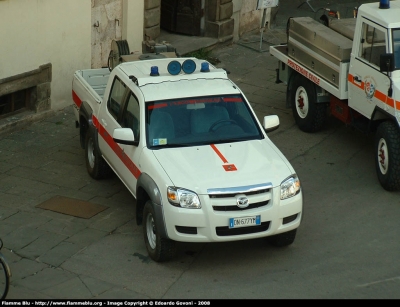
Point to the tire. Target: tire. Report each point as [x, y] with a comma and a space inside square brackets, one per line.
[309, 115]
[282, 239]
[159, 249]
[4, 278]
[387, 155]
[95, 164]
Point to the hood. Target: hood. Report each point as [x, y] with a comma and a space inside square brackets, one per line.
[199, 168]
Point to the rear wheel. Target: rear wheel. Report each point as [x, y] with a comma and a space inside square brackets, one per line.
[387, 155]
[309, 115]
[5, 275]
[282, 239]
[95, 164]
[159, 249]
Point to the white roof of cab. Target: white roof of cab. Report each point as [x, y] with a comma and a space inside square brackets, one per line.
[388, 18]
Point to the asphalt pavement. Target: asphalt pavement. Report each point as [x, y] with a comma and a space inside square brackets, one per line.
[59, 256]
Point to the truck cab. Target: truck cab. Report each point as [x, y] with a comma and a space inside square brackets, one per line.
[374, 86]
[350, 69]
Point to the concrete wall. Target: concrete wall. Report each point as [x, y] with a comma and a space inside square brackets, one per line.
[247, 18]
[106, 26]
[34, 33]
[133, 20]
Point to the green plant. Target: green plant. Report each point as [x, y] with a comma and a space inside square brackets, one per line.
[203, 54]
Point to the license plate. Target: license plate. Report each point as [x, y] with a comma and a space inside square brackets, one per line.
[237, 222]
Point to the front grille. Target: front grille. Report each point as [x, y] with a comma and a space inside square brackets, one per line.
[226, 231]
[236, 208]
[225, 195]
[186, 230]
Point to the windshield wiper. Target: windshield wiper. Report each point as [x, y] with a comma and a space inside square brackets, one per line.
[233, 140]
[170, 146]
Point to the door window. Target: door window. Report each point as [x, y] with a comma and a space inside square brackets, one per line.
[131, 116]
[373, 44]
[396, 47]
[116, 98]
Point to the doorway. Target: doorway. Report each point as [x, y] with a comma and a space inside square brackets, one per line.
[183, 16]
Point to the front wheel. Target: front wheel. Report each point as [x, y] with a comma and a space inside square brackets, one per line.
[309, 115]
[159, 249]
[387, 155]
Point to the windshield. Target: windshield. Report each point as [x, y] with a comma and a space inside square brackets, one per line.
[199, 120]
[396, 47]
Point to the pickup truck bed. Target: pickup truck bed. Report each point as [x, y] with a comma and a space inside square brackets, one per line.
[95, 79]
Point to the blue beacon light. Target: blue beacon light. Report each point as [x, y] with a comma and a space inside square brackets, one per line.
[154, 71]
[384, 4]
[205, 67]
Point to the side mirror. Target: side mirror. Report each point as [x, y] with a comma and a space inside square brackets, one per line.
[124, 136]
[271, 123]
[386, 62]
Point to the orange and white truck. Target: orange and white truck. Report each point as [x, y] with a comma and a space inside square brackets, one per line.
[348, 68]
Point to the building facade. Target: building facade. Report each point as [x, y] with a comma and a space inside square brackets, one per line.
[45, 42]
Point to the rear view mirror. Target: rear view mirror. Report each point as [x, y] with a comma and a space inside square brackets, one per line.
[386, 62]
[271, 123]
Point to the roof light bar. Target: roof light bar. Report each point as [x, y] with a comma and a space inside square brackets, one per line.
[384, 4]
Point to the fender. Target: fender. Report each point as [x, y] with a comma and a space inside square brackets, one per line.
[146, 185]
[379, 115]
[85, 112]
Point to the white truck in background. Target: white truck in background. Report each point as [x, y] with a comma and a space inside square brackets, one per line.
[349, 68]
[186, 143]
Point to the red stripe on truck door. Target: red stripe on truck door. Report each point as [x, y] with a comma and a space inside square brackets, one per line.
[116, 148]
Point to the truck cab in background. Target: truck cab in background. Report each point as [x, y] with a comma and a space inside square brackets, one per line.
[348, 68]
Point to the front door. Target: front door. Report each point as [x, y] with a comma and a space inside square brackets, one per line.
[368, 87]
[181, 16]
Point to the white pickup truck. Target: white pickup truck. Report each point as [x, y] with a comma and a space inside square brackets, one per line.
[350, 68]
[186, 143]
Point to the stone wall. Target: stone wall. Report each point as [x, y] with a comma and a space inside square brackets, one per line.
[106, 26]
[151, 27]
[39, 83]
[218, 21]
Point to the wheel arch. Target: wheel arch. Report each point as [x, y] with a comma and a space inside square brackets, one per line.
[85, 122]
[147, 189]
[379, 116]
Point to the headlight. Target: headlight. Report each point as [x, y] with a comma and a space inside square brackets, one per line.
[290, 187]
[183, 198]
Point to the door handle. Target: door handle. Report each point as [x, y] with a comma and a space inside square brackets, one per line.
[357, 79]
[104, 122]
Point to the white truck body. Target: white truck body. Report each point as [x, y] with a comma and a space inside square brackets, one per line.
[192, 183]
[350, 69]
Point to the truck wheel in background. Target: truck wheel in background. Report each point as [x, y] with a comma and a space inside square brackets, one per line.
[282, 239]
[95, 164]
[309, 115]
[387, 155]
[159, 249]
